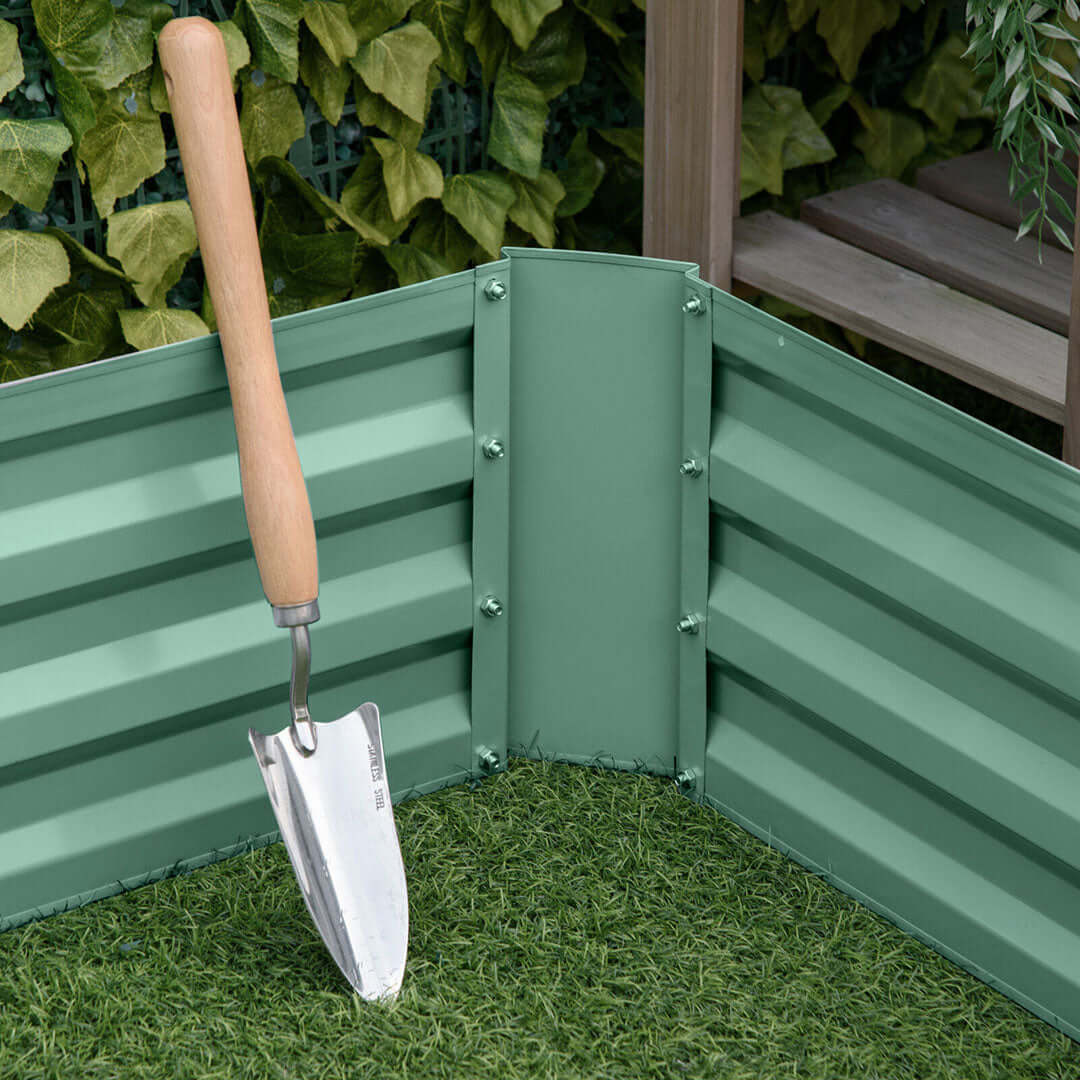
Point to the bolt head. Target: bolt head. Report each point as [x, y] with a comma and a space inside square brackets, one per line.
[495, 290]
[694, 306]
[691, 467]
[686, 780]
[493, 449]
[489, 760]
[688, 624]
[491, 607]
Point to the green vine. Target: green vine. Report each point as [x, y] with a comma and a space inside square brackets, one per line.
[371, 68]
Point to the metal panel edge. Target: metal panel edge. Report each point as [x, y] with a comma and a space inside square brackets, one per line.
[491, 515]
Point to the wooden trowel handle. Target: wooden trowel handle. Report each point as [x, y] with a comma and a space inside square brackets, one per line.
[207, 130]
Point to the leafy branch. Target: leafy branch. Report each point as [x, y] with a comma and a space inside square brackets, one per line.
[1032, 50]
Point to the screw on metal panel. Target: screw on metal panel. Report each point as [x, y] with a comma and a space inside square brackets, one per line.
[689, 624]
[495, 290]
[694, 306]
[687, 780]
[691, 467]
[493, 449]
[489, 759]
[491, 607]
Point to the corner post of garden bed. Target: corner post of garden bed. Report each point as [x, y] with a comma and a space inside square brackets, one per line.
[492, 449]
[693, 115]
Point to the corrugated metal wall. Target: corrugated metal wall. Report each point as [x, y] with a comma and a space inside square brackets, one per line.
[136, 647]
[894, 620]
[890, 659]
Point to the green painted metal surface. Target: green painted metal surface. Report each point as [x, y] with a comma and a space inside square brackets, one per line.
[884, 684]
[895, 676]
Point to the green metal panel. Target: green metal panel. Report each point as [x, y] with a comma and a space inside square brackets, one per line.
[892, 692]
[892, 624]
[135, 645]
[595, 514]
[491, 515]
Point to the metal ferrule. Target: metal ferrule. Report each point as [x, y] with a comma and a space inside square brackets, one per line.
[296, 614]
[302, 729]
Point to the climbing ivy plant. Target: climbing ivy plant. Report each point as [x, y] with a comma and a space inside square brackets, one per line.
[837, 91]
[397, 220]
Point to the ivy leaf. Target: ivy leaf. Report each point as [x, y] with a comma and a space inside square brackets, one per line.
[764, 132]
[30, 152]
[631, 141]
[487, 35]
[829, 102]
[76, 105]
[130, 45]
[307, 271]
[373, 110]
[302, 208]
[518, 118]
[556, 58]
[329, 22]
[629, 67]
[446, 20]
[523, 17]
[24, 358]
[602, 13]
[11, 64]
[75, 32]
[370, 18]
[480, 201]
[534, 206]
[328, 84]
[801, 11]
[84, 322]
[409, 176]
[271, 119]
[273, 28]
[806, 143]
[31, 266]
[848, 25]
[947, 88]
[88, 269]
[889, 140]
[413, 264]
[153, 244]
[122, 150]
[437, 232]
[365, 197]
[237, 50]
[149, 328]
[584, 171]
[396, 65]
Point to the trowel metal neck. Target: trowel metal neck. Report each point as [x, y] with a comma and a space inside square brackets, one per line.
[297, 617]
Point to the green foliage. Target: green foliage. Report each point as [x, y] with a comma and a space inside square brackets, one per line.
[11, 63]
[147, 328]
[32, 266]
[836, 90]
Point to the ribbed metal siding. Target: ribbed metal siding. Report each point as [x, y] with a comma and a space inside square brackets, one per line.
[893, 624]
[136, 647]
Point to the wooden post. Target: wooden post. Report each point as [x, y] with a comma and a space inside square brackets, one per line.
[693, 110]
[1071, 445]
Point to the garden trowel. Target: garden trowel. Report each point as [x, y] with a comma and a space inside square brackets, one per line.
[327, 781]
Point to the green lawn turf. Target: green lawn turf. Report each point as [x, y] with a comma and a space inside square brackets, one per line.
[566, 922]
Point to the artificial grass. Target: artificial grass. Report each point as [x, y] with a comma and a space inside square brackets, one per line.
[566, 922]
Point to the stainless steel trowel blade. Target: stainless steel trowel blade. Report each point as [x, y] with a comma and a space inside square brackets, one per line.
[333, 809]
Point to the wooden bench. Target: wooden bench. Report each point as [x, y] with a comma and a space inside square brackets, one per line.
[933, 271]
